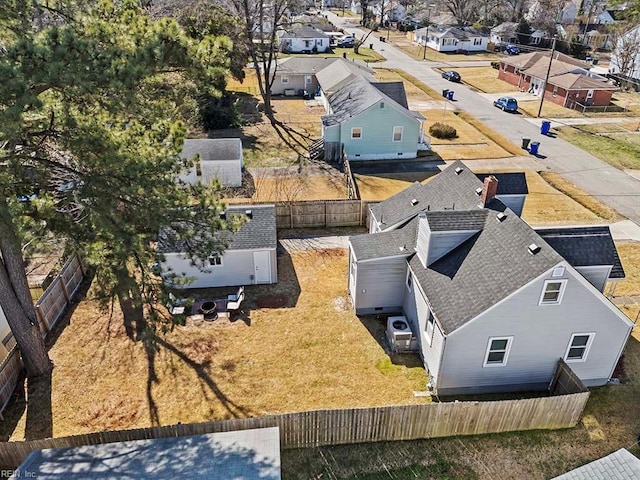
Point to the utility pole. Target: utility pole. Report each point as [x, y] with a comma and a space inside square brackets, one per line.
[546, 78]
[426, 38]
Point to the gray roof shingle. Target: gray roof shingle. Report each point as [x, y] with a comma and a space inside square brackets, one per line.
[446, 191]
[244, 454]
[508, 183]
[304, 32]
[385, 244]
[393, 90]
[582, 246]
[212, 148]
[620, 465]
[483, 270]
[257, 232]
[452, 220]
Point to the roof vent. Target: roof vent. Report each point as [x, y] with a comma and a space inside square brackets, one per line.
[501, 217]
[248, 213]
[459, 170]
[414, 201]
[533, 249]
[479, 191]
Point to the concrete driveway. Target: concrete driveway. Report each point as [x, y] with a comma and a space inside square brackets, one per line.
[610, 185]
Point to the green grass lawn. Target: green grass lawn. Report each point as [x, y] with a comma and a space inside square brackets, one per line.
[621, 150]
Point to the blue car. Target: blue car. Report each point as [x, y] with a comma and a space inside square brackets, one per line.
[506, 104]
[511, 50]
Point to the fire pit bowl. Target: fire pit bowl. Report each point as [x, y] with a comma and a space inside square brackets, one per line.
[208, 307]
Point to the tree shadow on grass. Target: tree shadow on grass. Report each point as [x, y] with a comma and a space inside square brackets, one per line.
[153, 345]
[34, 396]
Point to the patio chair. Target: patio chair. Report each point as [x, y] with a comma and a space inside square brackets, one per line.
[234, 305]
[235, 296]
[176, 306]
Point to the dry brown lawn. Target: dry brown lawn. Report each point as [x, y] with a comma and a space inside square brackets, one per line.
[470, 143]
[417, 51]
[287, 189]
[549, 109]
[376, 188]
[310, 353]
[485, 79]
[630, 255]
[414, 92]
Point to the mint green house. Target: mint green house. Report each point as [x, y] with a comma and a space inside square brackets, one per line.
[365, 119]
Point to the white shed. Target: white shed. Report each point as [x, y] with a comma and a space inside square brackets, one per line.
[220, 158]
[250, 257]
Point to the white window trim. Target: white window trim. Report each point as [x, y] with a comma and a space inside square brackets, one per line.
[506, 353]
[393, 133]
[586, 349]
[590, 93]
[361, 132]
[215, 265]
[563, 284]
[429, 334]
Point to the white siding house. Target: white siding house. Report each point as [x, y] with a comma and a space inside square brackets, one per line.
[219, 158]
[304, 40]
[492, 303]
[452, 39]
[250, 257]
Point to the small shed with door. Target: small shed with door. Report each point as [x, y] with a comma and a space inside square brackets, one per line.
[219, 158]
[250, 257]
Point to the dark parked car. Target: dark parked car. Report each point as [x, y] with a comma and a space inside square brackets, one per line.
[511, 50]
[507, 104]
[451, 76]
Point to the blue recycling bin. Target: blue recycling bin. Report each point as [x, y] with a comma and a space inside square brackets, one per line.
[533, 148]
[545, 127]
[450, 94]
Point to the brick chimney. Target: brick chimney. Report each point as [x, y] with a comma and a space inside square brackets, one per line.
[489, 190]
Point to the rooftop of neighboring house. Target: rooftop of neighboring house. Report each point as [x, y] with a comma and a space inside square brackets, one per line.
[311, 65]
[495, 260]
[304, 32]
[257, 231]
[212, 148]
[620, 465]
[561, 61]
[459, 33]
[333, 76]
[355, 94]
[506, 27]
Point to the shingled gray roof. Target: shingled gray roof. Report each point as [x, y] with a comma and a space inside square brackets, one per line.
[314, 64]
[338, 73]
[393, 90]
[304, 32]
[483, 270]
[620, 465]
[583, 246]
[385, 244]
[212, 148]
[446, 191]
[508, 183]
[257, 232]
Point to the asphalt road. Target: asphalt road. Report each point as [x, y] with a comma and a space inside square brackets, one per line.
[610, 185]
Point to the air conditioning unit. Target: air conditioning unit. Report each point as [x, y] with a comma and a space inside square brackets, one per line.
[400, 336]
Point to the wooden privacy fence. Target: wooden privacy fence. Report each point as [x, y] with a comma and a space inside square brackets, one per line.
[320, 213]
[57, 296]
[49, 309]
[356, 425]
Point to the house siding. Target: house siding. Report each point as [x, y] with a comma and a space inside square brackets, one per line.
[596, 275]
[237, 269]
[380, 286]
[377, 133]
[296, 82]
[541, 335]
[417, 312]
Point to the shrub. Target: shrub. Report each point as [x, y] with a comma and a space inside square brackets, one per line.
[495, 65]
[442, 130]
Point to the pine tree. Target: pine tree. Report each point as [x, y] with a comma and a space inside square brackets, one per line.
[85, 125]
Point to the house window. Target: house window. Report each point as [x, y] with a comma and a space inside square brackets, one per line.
[497, 351]
[397, 134]
[307, 79]
[356, 132]
[552, 292]
[284, 79]
[381, 104]
[215, 260]
[579, 346]
[429, 329]
[590, 94]
[555, 90]
[307, 43]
